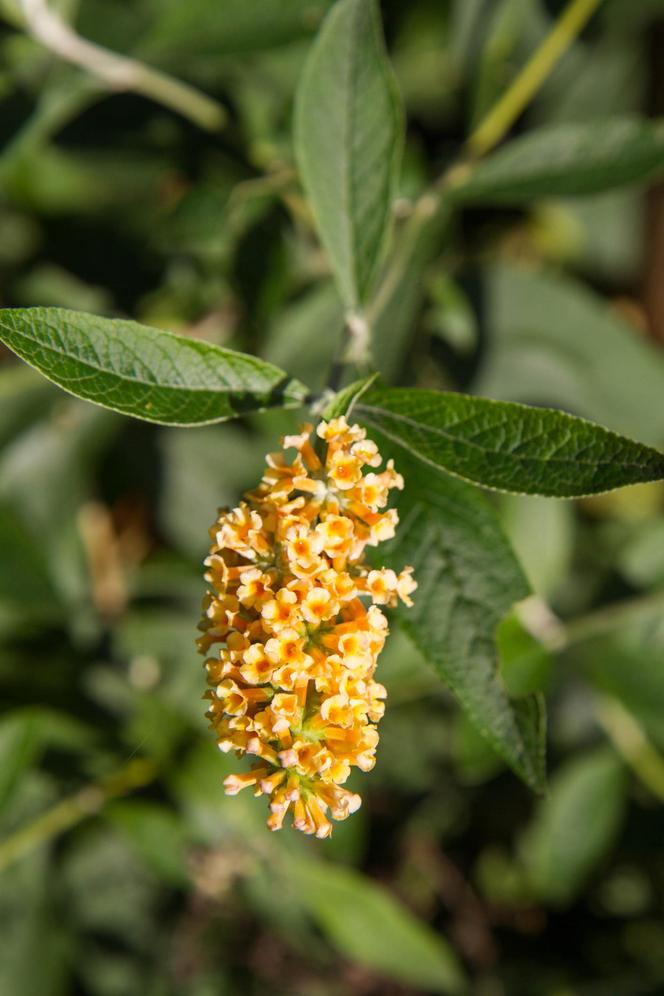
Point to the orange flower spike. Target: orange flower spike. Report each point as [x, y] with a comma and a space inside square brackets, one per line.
[292, 682]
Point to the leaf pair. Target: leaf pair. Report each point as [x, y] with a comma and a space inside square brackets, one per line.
[348, 140]
[468, 575]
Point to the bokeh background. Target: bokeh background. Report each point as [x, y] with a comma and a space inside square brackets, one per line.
[142, 878]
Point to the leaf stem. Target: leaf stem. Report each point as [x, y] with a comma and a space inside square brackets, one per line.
[118, 72]
[633, 745]
[504, 113]
[67, 813]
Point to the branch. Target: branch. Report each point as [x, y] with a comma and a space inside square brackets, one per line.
[432, 203]
[522, 90]
[118, 72]
[66, 814]
[633, 745]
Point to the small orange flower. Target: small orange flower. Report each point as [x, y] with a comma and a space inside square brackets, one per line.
[292, 679]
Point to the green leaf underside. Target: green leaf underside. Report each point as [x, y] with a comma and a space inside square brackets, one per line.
[506, 446]
[567, 159]
[142, 371]
[367, 925]
[348, 141]
[468, 580]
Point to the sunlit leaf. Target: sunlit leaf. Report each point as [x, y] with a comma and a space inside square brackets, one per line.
[507, 446]
[348, 141]
[144, 372]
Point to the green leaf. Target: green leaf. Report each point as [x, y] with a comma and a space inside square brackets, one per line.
[621, 650]
[392, 313]
[541, 530]
[506, 446]
[575, 825]
[368, 926]
[344, 401]
[348, 141]
[641, 559]
[496, 64]
[566, 159]
[24, 579]
[35, 943]
[202, 27]
[19, 746]
[552, 340]
[144, 372]
[468, 580]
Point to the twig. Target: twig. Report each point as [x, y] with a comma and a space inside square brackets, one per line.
[633, 745]
[505, 112]
[118, 72]
[67, 813]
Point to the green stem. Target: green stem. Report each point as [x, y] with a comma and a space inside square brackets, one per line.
[504, 113]
[633, 745]
[490, 131]
[117, 71]
[67, 813]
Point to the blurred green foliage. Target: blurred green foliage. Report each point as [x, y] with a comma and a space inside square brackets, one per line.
[115, 203]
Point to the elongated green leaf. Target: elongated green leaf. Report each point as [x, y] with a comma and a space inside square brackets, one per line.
[348, 141]
[202, 27]
[541, 530]
[507, 446]
[468, 579]
[142, 371]
[567, 159]
[24, 577]
[575, 825]
[367, 925]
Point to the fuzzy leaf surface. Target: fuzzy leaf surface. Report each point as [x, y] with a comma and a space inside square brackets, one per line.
[348, 128]
[506, 446]
[142, 371]
[567, 159]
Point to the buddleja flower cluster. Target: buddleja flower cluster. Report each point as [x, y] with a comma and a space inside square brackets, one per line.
[292, 678]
